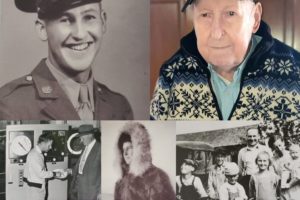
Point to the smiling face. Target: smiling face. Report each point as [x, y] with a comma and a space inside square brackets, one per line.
[232, 179]
[252, 137]
[263, 161]
[220, 159]
[186, 168]
[224, 29]
[74, 37]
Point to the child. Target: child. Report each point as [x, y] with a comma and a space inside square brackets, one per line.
[232, 190]
[189, 187]
[263, 184]
[291, 188]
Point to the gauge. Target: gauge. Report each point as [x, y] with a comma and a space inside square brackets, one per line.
[21, 145]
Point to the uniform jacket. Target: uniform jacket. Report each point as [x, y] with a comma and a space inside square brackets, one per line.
[270, 84]
[87, 186]
[35, 170]
[141, 180]
[38, 96]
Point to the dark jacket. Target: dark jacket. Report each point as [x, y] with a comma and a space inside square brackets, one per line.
[141, 180]
[87, 186]
[38, 96]
[270, 84]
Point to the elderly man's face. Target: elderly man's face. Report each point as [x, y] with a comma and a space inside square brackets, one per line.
[74, 37]
[224, 29]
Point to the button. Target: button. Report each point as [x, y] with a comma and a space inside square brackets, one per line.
[99, 89]
[47, 89]
[28, 78]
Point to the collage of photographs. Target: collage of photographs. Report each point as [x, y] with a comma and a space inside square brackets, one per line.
[149, 100]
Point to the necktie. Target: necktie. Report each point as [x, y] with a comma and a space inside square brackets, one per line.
[85, 108]
[82, 161]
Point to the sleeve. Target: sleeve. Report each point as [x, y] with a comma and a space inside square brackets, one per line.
[159, 107]
[199, 187]
[128, 110]
[210, 189]
[240, 161]
[223, 193]
[37, 164]
[252, 190]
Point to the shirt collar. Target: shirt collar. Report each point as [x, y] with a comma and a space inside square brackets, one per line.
[71, 87]
[238, 72]
[252, 148]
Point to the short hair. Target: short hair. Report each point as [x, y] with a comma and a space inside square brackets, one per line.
[264, 153]
[252, 129]
[45, 137]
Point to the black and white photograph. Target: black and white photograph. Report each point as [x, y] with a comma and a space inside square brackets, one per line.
[50, 160]
[72, 60]
[138, 160]
[238, 160]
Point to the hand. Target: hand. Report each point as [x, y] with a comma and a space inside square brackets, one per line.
[99, 196]
[68, 171]
[57, 174]
[60, 173]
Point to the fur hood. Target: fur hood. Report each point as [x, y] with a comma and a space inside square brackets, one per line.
[141, 158]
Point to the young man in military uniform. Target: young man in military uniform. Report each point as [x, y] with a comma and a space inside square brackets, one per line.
[62, 86]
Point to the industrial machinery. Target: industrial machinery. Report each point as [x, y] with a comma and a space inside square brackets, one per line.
[20, 139]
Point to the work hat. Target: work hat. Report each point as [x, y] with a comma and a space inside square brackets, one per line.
[86, 129]
[189, 162]
[50, 8]
[231, 169]
[189, 2]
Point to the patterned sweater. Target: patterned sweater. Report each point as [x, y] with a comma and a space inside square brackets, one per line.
[270, 84]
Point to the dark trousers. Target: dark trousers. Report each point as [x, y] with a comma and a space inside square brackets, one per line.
[244, 181]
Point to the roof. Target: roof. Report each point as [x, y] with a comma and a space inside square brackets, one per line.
[218, 138]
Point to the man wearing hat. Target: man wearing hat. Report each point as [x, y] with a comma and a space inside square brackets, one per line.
[188, 186]
[228, 68]
[216, 175]
[62, 86]
[86, 175]
[232, 190]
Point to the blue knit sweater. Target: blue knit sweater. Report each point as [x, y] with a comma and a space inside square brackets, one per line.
[270, 84]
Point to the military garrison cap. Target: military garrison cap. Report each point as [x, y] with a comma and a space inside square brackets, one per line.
[50, 8]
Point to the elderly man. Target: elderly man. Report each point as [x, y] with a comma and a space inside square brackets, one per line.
[62, 86]
[228, 68]
[247, 157]
[86, 175]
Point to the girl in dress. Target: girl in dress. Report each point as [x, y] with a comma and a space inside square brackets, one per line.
[264, 184]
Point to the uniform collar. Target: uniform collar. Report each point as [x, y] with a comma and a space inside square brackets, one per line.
[48, 88]
[72, 87]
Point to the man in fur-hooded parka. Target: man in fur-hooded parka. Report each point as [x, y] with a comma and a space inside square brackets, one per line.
[141, 180]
